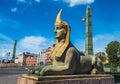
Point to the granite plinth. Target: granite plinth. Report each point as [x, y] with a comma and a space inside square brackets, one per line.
[67, 79]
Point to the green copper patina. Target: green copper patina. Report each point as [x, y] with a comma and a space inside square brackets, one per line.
[66, 59]
[89, 41]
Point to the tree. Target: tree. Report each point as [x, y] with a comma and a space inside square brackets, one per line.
[41, 63]
[112, 51]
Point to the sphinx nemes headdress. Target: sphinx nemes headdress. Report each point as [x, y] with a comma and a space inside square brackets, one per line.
[67, 38]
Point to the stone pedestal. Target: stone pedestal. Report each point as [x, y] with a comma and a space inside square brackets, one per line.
[66, 79]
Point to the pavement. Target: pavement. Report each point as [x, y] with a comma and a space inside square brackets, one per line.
[10, 75]
[9, 79]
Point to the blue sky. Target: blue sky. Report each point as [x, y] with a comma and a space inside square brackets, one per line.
[31, 23]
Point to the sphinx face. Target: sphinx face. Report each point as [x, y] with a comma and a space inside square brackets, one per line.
[60, 32]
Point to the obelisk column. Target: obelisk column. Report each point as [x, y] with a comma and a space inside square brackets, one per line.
[89, 41]
[14, 51]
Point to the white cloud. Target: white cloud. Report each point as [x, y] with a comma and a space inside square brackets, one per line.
[29, 2]
[25, 2]
[55, 0]
[14, 9]
[30, 44]
[21, 1]
[5, 47]
[77, 2]
[99, 42]
[34, 43]
[38, 1]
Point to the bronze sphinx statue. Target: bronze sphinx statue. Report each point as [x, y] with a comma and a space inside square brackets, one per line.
[66, 59]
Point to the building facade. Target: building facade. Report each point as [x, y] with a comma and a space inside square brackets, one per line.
[31, 60]
[20, 60]
[26, 59]
[41, 57]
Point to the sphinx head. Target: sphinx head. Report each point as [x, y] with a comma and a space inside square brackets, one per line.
[62, 31]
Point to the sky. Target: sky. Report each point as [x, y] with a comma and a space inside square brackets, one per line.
[31, 23]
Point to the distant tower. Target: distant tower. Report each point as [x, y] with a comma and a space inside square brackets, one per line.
[89, 41]
[14, 51]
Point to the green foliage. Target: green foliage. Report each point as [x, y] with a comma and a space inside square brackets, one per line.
[41, 63]
[112, 51]
[107, 65]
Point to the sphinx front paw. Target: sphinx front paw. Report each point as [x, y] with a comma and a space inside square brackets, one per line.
[31, 70]
[94, 71]
[42, 72]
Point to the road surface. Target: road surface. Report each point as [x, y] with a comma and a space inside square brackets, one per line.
[10, 75]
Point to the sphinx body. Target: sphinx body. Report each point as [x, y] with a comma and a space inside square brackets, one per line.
[75, 64]
[66, 59]
[72, 63]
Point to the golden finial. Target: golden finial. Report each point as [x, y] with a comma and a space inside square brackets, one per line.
[58, 19]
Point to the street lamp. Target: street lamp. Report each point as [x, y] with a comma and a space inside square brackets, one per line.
[83, 19]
